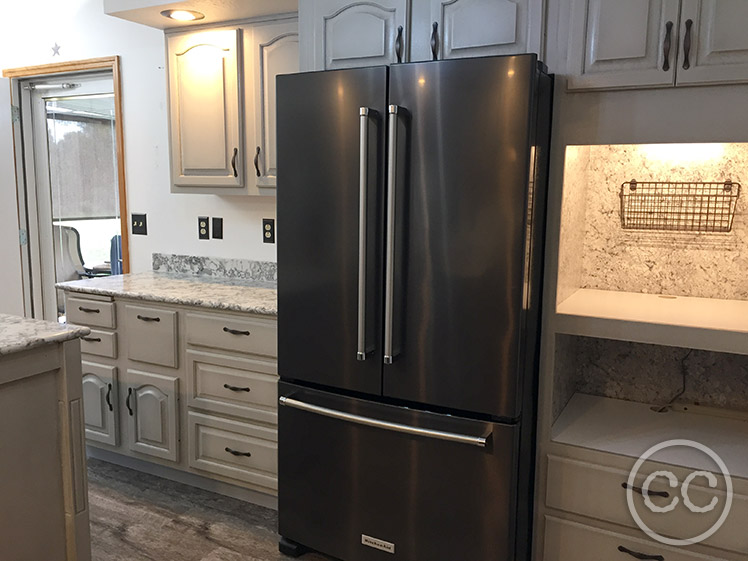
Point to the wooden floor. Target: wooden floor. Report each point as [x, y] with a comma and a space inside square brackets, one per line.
[136, 516]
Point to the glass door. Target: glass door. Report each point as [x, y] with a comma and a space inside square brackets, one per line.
[72, 190]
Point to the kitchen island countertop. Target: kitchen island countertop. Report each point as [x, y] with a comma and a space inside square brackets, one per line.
[220, 293]
[20, 334]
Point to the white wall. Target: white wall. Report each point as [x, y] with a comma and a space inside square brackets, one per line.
[28, 30]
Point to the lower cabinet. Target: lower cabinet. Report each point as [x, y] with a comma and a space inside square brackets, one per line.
[100, 406]
[151, 401]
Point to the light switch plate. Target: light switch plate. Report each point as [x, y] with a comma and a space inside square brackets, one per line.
[139, 224]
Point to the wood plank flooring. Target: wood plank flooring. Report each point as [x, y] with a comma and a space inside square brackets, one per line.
[140, 517]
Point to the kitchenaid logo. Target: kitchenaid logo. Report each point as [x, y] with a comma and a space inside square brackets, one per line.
[378, 544]
[711, 508]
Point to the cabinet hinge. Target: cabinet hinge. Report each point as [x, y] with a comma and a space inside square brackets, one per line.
[23, 237]
[15, 113]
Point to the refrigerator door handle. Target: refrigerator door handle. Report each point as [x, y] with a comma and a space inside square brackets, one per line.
[479, 441]
[363, 176]
[389, 283]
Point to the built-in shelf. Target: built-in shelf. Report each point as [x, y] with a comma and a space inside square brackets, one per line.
[630, 429]
[679, 321]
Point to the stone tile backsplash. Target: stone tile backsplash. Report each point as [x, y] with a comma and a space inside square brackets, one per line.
[710, 265]
[647, 373]
[264, 271]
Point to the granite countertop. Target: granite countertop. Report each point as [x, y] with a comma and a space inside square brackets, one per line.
[238, 295]
[20, 334]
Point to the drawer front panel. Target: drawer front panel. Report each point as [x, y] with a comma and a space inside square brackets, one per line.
[232, 386]
[255, 336]
[570, 541]
[255, 450]
[100, 343]
[597, 492]
[151, 335]
[92, 313]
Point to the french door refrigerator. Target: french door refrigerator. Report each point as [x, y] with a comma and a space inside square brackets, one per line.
[411, 209]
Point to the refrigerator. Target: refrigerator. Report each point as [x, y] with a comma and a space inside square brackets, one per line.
[411, 211]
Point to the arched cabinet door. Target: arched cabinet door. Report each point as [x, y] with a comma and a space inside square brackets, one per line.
[151, 407]
[100, 410]
[346, 34]
[205, 110]
[273, 49]
[472, 28]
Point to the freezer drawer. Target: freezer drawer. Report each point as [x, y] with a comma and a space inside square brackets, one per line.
[353, 485]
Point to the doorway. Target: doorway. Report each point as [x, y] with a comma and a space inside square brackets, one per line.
[71, 193]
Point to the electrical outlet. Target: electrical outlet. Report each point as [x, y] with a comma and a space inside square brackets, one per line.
[139, 224]
[203, 230]
[217, 225]
[268, 230]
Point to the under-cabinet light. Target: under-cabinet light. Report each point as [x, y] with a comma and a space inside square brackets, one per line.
[183, 15]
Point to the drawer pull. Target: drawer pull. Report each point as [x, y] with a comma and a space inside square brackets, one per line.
[109, 397]
[235, 388]
[237, 453]
[147, 318]
[236, 331]
[642, 556]
[89, 310]
[663, 494]
[127, 401]
[91, 339]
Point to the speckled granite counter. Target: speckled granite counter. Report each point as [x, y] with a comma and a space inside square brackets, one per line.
[238, 295]
[20, 334]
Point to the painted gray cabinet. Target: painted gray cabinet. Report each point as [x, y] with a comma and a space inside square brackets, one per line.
[100, 406]
[656, 43]
[445, 29]
[270, 49]
[205, 110]
[344, 33]
[152, 408]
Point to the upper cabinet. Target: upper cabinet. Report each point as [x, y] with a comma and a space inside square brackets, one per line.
[272, 49]
[222, 105]
[471, 28]
[344, 33]
[656, 43]
[206, 110]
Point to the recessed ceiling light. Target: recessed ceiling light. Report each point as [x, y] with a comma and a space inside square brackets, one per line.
[183, 15]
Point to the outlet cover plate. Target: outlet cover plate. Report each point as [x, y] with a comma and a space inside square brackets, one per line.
[268, 230]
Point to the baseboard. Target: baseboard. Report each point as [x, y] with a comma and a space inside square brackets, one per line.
[192, 479]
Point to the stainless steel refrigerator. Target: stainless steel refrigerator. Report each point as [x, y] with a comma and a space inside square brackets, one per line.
[411, 210]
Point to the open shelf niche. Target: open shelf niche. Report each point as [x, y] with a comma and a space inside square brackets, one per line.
[681, 288]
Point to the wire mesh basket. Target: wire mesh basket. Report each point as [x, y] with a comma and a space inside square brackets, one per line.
[679, 207]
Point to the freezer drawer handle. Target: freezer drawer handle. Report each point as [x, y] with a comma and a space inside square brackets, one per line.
[397, 427]
[389, 272]
[362, 179]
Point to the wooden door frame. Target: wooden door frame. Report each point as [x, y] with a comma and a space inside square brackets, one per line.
[112, 64]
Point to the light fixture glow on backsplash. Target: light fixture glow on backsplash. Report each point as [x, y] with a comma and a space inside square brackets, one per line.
[682, 154]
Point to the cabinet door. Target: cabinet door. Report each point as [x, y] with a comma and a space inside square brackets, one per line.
[205, 110]
[345, 34]
[274, 50]
[151, 401]
[717, 31]
[616, 44]
[100, 409]
[470, 28]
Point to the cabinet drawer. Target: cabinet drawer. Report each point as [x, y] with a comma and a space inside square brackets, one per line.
[254, 336]
[100, 343]
[597, 491]
[91, 313]
[151, 335]
[211, 440]
[567, 541]
[231, 386]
